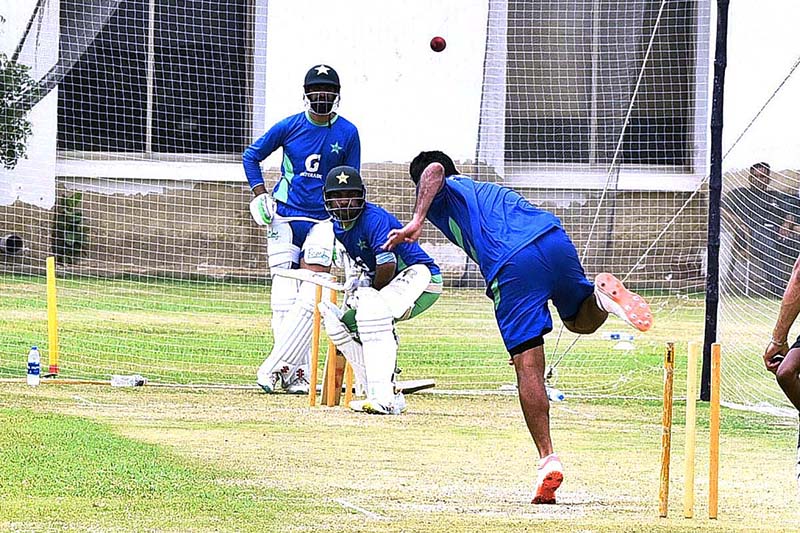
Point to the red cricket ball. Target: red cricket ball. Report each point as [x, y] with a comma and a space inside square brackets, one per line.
[438, 44]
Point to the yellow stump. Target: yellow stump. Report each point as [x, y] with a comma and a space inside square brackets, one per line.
[52, 316]
[312, 389]
[713, 425]
[330, 378]
[666, 429]
[348, 384]
[691, 417]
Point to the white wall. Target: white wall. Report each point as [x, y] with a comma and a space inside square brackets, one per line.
[33, 179]
[763, 45]
[378, 47]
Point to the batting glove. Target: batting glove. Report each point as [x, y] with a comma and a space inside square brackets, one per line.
[262, 208]
[354, 283]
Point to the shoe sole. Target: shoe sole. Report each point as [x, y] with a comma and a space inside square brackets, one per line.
[374, 411]
[626, 304]
[546, 493]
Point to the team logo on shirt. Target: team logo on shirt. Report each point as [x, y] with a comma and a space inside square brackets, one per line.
[362, 244]
[336, 148]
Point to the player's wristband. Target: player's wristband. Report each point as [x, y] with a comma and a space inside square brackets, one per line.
[776, 343]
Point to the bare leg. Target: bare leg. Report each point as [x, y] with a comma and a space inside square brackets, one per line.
[589, 317]
[529, 366]
[787, 376]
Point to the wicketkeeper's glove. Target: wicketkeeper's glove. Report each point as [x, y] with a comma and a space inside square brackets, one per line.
[262, 208]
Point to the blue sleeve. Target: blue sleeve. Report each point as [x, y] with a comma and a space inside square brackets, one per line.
[379, 227]
[354, 151]
[260, 150]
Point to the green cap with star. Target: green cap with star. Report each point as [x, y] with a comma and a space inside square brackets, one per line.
[321, 75]
[343, 178]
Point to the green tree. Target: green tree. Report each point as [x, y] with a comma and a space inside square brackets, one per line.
[17, 89]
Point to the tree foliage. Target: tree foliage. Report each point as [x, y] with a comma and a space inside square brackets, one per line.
[17, 88]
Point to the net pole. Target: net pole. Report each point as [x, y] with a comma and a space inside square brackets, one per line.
[714, 196]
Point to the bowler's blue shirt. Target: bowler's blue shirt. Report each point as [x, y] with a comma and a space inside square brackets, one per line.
[489, 222]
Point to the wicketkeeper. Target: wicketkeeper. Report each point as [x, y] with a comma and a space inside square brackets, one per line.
[398, 285]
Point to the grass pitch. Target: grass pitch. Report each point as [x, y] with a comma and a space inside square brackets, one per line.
[97, 458]
[93, 458]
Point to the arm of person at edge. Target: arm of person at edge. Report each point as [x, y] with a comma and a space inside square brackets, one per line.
[430, 183]
[383, 275]
[790, 308]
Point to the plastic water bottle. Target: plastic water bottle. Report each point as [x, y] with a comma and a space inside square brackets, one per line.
[554, 395]
[34, 366]
[135, 380]
[616, 336]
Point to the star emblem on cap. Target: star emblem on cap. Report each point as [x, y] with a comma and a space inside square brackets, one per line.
[342, 177]
[322, 69]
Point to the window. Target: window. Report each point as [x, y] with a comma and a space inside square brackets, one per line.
[159, 76]
[572, 71]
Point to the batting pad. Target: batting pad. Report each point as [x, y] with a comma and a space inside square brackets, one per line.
[344, 342]
[293, 341]
[375, 328]
[401, 293]
[283, 294]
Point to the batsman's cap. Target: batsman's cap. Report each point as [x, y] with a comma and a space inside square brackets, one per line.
[343, 178]
[321, 75]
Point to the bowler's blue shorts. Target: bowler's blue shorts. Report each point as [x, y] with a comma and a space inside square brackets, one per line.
[546, 269]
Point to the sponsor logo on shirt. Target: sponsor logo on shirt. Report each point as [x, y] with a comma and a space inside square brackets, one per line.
[312, 166]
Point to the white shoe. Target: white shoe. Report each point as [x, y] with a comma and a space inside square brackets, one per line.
[374, 407]
[613, 297]
[298, 385]
[269, 382]
[548, 478]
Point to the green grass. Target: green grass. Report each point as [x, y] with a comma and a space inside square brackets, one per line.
[68, 472]
[97, 458]
[204, 332]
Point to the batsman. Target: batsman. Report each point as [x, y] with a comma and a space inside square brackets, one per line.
[396, 285]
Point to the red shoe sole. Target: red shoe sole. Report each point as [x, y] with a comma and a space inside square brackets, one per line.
[636, 309]
[546, 493]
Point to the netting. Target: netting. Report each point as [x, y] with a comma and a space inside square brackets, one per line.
[760, 236]
[594, 109]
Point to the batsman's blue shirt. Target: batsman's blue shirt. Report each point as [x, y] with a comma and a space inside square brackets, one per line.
[489, 222]
[310, 150]
[364, 239]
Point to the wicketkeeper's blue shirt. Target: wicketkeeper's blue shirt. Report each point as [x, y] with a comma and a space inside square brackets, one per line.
[364, 239]
[489, 222]
[310, 150]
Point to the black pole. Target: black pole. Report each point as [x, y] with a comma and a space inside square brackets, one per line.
[714, 196]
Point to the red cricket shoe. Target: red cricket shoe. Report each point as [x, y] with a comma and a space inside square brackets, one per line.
[616, 299]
